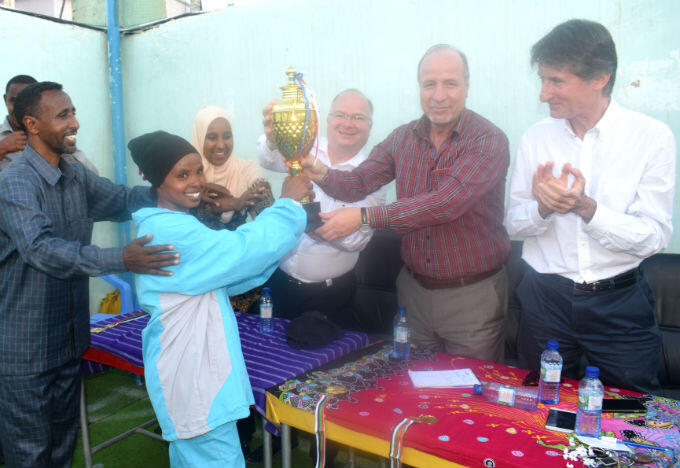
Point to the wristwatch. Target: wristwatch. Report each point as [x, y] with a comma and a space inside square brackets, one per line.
[364, 226]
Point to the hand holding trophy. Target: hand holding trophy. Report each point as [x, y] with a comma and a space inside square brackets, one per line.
[294, 129]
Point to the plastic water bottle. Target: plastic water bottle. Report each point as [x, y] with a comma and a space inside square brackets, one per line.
[402, 335]
[266, 310]
[589, 413]
[551, 372]
[519, 397]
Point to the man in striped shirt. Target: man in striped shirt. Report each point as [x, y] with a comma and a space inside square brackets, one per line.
[450, 167]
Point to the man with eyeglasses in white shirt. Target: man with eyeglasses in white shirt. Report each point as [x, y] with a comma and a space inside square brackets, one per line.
[592, 195]
[319, 275]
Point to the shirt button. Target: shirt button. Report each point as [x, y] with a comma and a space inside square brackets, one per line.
[427, 260]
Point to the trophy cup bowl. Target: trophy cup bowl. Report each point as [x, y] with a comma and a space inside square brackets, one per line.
[294, 129]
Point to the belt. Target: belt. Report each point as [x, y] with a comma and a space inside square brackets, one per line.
[436, 283]
[615, 282]
[325, 283]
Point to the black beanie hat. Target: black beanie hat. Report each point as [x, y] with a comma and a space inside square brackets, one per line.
[157, 152]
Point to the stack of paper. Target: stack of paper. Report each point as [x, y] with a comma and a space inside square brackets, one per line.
[446, 378]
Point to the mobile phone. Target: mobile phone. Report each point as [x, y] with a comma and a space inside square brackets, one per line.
[603, 458]
[606, 461]
[623, 405]
[561, 420]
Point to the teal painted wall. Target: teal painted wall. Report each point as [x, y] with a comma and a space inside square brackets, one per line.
[236, 58]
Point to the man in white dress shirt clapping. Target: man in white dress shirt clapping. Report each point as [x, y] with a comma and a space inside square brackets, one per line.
[592, 195]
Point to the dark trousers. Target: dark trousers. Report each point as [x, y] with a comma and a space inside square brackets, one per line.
[615, 329]
[246, 429]
[292, 298]
[39, 417]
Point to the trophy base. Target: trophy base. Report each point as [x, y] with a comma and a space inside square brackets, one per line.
[313, 219]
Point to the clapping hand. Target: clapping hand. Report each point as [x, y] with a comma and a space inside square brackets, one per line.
[253, 195]
[554, 195]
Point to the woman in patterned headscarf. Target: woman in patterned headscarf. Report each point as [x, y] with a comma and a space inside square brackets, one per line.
[213, 138]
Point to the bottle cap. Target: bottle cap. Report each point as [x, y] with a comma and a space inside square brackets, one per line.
[477, 389]
[401, 310]
[266, 290]
[553, 344]
[592, 371]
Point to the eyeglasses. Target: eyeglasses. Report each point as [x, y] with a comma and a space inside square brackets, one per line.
[355, 117]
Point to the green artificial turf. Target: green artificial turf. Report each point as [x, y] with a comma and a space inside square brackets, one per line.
[117, 403]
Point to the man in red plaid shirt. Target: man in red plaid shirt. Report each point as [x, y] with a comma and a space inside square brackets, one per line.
[450, 167]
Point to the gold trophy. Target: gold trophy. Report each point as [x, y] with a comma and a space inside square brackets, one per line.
[294, 129]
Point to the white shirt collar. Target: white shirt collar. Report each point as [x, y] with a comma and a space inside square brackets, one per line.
[354, 161]
[605, 123]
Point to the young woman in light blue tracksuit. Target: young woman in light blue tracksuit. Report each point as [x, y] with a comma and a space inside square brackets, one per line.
[194, 367]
